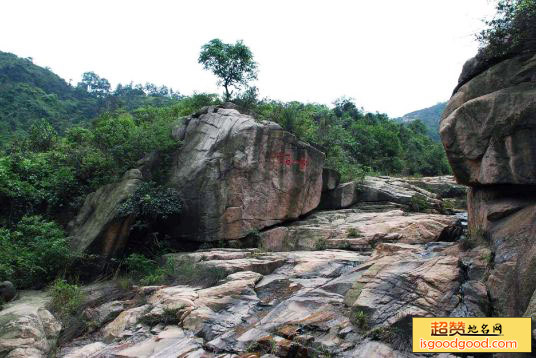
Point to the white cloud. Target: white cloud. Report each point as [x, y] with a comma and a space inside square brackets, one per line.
[391, 56]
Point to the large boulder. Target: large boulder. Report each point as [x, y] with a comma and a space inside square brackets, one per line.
[356, 229]
[98, 227]
[489, 124]
[488, 131]
[445, 186]
[237, 175]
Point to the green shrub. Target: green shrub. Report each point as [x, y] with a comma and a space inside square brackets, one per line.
[138, 266]
[152, 202]
[419, 203]
[125, 283]
[66, 298]
[353, 232]
[360, 319]
[321, 244]
[511, 31]
[34, 253]
[488, 258]
[186, 271]
[265, 346]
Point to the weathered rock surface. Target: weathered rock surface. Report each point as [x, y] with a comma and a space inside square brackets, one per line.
[236, 175]
[356, 229]
[302, 303]
[97, 225]
[27, 328]
[488, 131]
[489, 124]
[330, 179]
[505, 218]
[376, 189]
[445, 186]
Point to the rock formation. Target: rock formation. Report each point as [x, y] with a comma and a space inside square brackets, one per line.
[235, 176]
[287, 304]
[27, 328]
[380, 189]
[339, 283]
[98, 226]
[489, 130]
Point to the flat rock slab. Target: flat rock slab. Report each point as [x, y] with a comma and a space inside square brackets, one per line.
[355, 229]
[377, 189]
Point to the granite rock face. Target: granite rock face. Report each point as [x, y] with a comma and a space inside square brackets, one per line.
[27, 328]
[505, 217]
[97, 226]
[237, 175]
[376, 189]
[357, 229]
[234, 174]
[303, 304]
[488, 130]
[445, 186]
[337, 283]
[489, 124]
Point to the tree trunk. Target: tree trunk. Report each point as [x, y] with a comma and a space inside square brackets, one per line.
[227, 94]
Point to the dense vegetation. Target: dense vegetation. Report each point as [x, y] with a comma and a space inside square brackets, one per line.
[61, 142]
[430, 117]
[511, 31]
[29, 93]
[356, 142]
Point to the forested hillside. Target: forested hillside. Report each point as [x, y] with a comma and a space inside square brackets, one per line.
[429, 116]
[29, 93]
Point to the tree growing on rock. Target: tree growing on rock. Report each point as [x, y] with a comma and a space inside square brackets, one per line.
[511, 31]
[233, 64]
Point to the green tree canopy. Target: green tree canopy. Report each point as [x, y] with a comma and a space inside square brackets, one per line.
[233, 64]
[511, 31]
[92, 83]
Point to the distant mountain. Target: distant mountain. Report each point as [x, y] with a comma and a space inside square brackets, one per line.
[429, 116]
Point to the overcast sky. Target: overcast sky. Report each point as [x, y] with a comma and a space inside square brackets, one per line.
[391, 56]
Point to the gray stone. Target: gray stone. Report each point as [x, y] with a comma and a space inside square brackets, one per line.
[98, 223]
[489, 124]
[376, 189]
[237, 175]
[27, 328]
